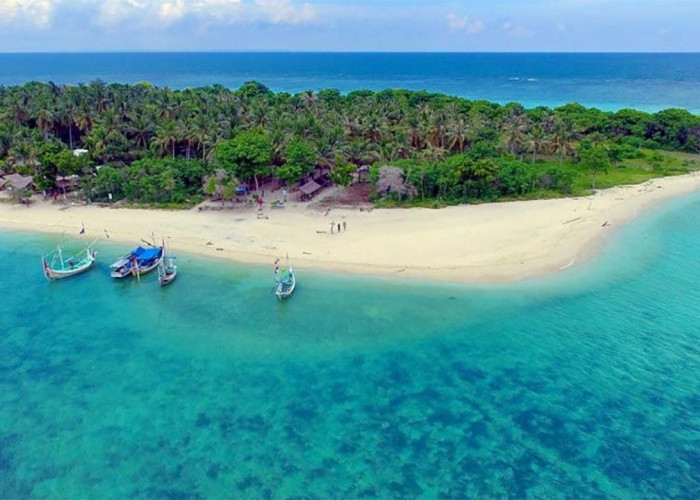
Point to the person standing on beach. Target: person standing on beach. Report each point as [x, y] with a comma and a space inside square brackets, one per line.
[284, 195]
[338, 226]
[332, 226]
[345, 226]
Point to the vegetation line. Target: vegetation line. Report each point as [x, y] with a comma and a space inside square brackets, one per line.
[150, 145]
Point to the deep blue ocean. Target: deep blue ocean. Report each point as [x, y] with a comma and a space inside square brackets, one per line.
[648, 82]
[584, 384]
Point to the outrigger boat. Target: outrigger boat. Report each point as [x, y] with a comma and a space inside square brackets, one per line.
[285, 281]
[167, 272]
[139, 261]
[56, 267]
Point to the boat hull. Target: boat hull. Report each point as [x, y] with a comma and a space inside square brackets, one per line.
[148, 269]
[285, 289]
[166, 279]
[124, 267]
[57, 274]
[119, 274]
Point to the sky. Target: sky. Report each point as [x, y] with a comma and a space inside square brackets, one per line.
[350, 25]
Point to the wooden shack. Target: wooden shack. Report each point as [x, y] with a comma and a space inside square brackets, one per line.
[309, 190]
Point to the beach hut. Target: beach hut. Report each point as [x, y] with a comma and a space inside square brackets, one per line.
[19, 182]
[67, 183]
[309, 190]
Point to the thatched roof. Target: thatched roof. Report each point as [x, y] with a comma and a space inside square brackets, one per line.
[67, 181]
[17, 181]
[310, 187]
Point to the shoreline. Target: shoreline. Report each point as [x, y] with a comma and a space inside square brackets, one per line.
[477, 244]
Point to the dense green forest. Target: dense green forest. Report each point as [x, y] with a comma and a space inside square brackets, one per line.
[157, 145]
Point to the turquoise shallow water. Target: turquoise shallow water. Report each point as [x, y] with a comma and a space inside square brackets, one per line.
[585, 384]
[649, 82]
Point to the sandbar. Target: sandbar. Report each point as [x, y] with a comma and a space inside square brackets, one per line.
[484, 243]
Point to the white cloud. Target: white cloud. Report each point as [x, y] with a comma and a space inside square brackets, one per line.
[166, 12]
[38, 13]
[112, 12]
[457, 23]
[517, 31]
[282, 11]
[171, 11]
[220, 11]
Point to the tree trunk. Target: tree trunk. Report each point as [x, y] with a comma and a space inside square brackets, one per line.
[173, 148]
[70, 135]
[257, 187]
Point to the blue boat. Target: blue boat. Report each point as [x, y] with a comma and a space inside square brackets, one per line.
[139, 261]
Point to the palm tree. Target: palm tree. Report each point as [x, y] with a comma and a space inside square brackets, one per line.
[18, 110]
[563, 139]
[433, 154]
[258, 114]
[361, 152]
[24, 152]
[186, 135]
[83, 119]
[536, 141]
[514, 130]
[141, 129]
[66, 117]
[7, 135]
[166, 137]
[372, 128]
[458, 132]
[110, 121]
[98, 140]
[202, 133]
[415, 131]
[44, 120]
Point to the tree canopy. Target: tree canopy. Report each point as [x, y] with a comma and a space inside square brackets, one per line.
[447, 147]
[247, 155]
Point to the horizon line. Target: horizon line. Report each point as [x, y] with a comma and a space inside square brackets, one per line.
[281, 51]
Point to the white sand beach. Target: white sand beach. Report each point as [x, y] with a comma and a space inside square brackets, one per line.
[496, 242]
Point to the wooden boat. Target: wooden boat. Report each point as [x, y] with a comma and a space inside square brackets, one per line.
[56, 267]
[139, 261]
[285, 281]
[167, 270]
